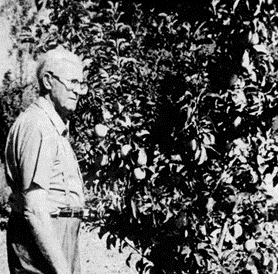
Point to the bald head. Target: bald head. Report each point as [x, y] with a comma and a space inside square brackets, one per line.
[56, 60]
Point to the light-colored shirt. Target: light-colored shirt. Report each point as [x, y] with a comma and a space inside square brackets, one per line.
[38, 151]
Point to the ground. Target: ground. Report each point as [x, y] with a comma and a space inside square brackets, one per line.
[96, 258]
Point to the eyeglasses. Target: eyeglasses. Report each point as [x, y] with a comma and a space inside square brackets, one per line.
[72, 84]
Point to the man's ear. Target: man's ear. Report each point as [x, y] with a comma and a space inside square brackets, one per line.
[47, 81]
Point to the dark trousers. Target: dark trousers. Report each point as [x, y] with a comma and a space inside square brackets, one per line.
[24, 255]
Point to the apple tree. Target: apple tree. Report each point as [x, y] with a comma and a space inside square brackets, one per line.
[176, 137]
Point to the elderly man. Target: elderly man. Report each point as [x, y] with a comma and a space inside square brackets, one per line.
[43, 173]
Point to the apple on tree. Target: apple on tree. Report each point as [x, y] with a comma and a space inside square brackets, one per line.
[101, 130]
[126, 150]
[250, 245]
[139, 173]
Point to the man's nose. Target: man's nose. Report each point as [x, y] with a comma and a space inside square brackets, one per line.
[76, 94]
[79, 91]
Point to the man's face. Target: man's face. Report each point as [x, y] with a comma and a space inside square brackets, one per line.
[65, 93]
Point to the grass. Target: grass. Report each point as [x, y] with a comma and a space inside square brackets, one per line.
[95, 257]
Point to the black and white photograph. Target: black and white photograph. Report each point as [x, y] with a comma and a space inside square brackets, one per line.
[138, 137]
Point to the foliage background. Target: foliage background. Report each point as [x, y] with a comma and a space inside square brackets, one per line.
[187, 96]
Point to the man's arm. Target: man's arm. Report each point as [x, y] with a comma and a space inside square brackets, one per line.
[37, 215]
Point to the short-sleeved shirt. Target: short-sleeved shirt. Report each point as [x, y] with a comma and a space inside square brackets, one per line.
[38, 151]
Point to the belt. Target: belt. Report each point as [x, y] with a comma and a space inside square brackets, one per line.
[68, 213]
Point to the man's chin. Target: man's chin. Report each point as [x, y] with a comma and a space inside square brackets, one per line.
[67, 113]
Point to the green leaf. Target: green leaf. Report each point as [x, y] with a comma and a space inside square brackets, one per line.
[261, 48]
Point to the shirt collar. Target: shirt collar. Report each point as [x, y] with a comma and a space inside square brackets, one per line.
[55, 118]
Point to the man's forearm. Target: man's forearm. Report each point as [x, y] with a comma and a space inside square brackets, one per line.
[49, 245]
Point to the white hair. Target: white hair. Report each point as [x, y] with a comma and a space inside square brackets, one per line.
[55, 61]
